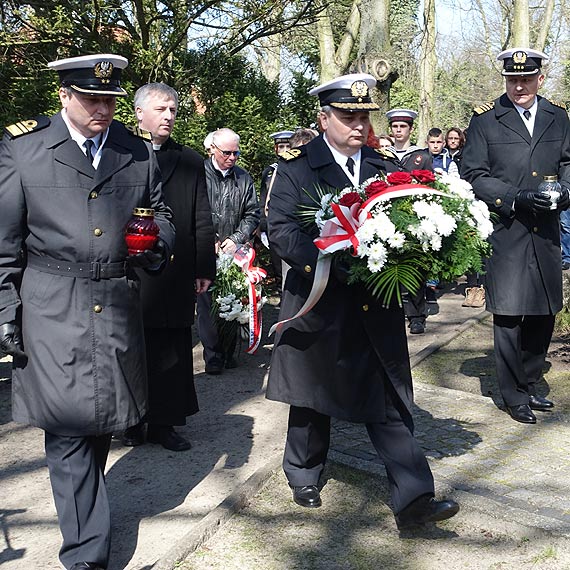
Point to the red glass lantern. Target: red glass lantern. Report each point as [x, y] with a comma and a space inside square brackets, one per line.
[141, 232]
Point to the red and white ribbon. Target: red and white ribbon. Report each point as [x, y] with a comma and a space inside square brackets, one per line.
[339, 233]
[244, 257]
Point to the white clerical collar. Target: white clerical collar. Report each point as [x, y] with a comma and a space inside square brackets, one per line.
[98, 140]
[215, 164]
[341, 159]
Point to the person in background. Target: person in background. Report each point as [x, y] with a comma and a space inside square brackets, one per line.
[513, 142]
[454, 142]
[235, 216]
[280, 144]
[385, 141]
[408, 156]
[70, 312]
[441, 159]
[168, 300]
[347, 357]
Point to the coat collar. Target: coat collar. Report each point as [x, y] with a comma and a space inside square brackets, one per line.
[507, 114]
[321, 159]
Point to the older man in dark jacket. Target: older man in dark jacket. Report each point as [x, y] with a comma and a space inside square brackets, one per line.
[68, 187]
[235, 214]
[513, 143]
[348, 356]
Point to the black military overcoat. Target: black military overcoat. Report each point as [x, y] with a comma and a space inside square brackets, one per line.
[336, 359]
[500, 158]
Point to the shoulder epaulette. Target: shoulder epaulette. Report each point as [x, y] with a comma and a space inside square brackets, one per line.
[385, 153]
[291, 154]
[559, 104]
[26, 127]
[484, 108]
[138, 132]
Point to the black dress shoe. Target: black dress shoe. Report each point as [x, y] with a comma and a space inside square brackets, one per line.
[522, 414]
[167, 437]
[133, 436]
[86, 566]
[426, 509]
[417, 327]
[214, 366]
[539, 403]
[307, 496]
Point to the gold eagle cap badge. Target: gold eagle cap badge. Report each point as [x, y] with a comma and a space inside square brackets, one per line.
[359, 89]
[103, 71]
[519, 57]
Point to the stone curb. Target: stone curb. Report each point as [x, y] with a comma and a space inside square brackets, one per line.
[212, 522]
[241, 497]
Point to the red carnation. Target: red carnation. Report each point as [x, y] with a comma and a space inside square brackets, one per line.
[423, 176]
[375, 188]
[349, 199]
[397, 178]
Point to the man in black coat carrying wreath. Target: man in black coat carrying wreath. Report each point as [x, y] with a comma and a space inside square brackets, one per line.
[348, 356]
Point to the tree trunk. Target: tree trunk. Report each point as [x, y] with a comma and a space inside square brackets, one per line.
[428, 61]
[521, 23]
[374, 55]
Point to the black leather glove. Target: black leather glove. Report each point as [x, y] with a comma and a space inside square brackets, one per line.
[340, 269]
[11, 342]
[564, 200]
[149, 259]
[532, 201]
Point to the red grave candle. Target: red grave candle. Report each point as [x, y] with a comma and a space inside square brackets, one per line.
[141, 232]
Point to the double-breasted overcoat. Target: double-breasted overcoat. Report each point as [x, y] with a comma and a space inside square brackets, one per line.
[83, 335]
[337, 358]
[500, 158]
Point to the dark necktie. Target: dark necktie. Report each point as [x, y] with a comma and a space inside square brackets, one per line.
[526, 114]
[350, 165]
[90, 147]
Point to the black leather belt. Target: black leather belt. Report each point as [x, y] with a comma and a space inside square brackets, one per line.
[93, 270]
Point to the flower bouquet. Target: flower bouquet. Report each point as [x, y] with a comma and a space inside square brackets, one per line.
[237, 299]
[399, 230]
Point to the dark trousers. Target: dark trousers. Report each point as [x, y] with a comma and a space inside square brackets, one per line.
[415, 307]
[521, 344]
[208, 331]
[76, 469]
[308, 438]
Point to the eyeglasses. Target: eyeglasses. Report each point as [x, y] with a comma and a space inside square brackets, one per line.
[236, 153]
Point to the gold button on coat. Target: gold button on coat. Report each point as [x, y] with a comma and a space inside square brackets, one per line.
[98, 232]
[534, 173]
[365, 307]
[172, 258]
[93, 195]
[535, 229]
[498, 202]
[97, 308]
[308, 269]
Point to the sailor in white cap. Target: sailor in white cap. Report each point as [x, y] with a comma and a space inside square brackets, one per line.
[281, 141]
[68, 186]
[347, 357]
[408, 156]
[512, 144]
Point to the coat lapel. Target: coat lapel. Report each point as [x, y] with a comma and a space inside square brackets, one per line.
[116, 154]
[66, 150]
[321, 159]
[542, 122]
[168, 157]
[371, 164]
[509, 116]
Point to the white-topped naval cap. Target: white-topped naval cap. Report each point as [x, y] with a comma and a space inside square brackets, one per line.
[97, 74]
[406, 115]
[350, 92]
[281, 136]
[521, 61]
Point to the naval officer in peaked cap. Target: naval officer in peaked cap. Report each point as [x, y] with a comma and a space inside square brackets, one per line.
[346, 358]
[513, 143]
[70, 313]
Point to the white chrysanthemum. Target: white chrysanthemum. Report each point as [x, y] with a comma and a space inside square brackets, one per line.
[422, 208]
[365, 233]
[347, 190]
[445, 224]
[435, 243]
[363, 249]
[375, 265]
[326, 200]
[480, 213]
[427, 228]
[397, 240]
[378, 252]
[243, 317]
[383, 226]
